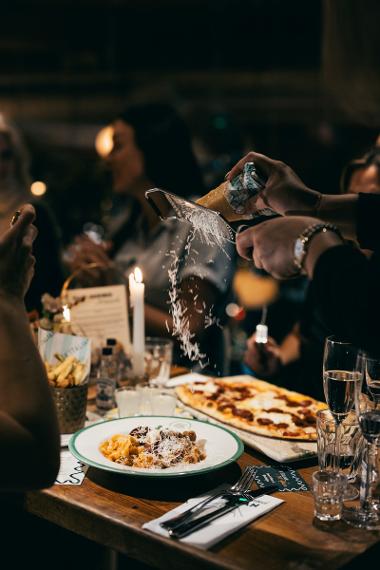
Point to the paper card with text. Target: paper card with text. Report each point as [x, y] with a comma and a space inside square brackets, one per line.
[285, 477]
[101, 314]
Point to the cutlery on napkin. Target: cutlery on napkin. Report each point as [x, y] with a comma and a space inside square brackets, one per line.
[223, 526]
[188, 527]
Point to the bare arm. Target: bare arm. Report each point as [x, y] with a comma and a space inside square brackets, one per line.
[29, 437]
[267, 359]
[290, 346]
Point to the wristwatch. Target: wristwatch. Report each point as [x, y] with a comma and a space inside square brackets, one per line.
[302, 243]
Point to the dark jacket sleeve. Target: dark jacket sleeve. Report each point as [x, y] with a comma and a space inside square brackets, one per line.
[345, 291]
[368, 221]
[48, 276]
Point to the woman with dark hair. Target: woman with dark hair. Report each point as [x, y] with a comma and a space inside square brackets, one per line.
[152, 148]
[362, 174]
[163, 139]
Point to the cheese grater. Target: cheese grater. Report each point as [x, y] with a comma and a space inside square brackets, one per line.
[230, 198]
[170, 206]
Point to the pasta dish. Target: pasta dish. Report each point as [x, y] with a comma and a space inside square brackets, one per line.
[147, 447]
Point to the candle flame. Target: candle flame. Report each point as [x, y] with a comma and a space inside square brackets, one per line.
[138, 275]
[66, 313]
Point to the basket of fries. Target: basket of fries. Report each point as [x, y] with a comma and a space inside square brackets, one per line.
[67, 360]
[69, 389]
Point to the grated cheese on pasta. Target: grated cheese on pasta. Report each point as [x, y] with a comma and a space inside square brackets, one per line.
[161, 448]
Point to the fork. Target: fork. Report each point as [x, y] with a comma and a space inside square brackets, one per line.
[240, 488]
[232, 503]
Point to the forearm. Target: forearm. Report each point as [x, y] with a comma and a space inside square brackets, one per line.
[290, 348]
[341, 211]
[157, 321]
[28, 427]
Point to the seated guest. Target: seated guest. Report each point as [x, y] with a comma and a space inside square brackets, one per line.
[152, 148]
[363, 174]
[29, 438]
[14, 191]
[344, 288]
[296, 362]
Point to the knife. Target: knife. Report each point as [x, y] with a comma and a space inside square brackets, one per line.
[183, 529]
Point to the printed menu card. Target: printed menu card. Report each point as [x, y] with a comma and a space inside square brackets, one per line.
[100, 313]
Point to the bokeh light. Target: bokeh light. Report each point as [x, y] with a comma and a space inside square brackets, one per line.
[104, 141]
[38, 188]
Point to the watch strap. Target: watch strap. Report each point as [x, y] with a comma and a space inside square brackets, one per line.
[308, 234]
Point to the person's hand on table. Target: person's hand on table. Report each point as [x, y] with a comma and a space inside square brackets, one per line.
[16, 259]
[271, 245]
[263, 358]
[284, 191]
[84, 251]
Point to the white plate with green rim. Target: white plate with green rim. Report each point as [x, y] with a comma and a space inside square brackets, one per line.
[222, 446]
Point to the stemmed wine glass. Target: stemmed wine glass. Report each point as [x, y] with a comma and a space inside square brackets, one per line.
[367, 407]
[340, 376]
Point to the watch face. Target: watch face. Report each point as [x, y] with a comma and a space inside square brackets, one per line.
[299, 249]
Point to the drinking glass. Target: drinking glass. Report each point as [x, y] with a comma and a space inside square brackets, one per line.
[163, 402]
[328, 489]
[157, 360]
[367, 406]
[340, 376]
[351, 447]
[128, 401]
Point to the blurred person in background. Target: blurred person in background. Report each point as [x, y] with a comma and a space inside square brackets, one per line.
[296, 362]
[152, 148]
[15, 185]
[363, 174]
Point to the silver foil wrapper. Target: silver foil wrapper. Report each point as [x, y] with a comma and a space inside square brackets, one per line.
[244, 187]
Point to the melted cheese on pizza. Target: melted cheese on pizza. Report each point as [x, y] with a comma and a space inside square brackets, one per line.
[255, 405]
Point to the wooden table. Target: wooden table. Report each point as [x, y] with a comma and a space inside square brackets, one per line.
[110, 509]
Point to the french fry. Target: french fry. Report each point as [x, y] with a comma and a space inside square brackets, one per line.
[78, 373]
[59, 357]
[63, 383]
[64, 365]
[67, 372]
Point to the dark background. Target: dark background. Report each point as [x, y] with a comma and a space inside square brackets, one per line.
[246, 74]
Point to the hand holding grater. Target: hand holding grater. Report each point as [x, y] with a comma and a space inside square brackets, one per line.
[220, 210]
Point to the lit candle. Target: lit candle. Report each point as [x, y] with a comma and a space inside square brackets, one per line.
[66, 313]
[131, 288]
[138, 288]
[65, 326]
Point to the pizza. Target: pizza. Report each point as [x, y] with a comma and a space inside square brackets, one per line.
[255, 406]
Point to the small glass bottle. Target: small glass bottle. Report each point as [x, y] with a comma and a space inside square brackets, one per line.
[120, 358]
[112, 344]
[106, 382]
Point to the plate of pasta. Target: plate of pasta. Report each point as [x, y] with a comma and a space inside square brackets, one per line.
[159, 446]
